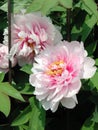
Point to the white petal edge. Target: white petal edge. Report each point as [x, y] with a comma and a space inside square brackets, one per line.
[69, 102]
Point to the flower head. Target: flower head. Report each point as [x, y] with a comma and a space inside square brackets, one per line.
[4, 59]
[57, 73]
[31, 34]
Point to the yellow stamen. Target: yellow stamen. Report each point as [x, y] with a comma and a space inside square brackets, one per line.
[56, 68]
[31, 45]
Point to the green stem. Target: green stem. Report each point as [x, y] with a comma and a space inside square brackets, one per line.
[9, 38]
[68, 20]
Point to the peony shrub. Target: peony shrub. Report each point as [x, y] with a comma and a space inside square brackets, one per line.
[48, 76]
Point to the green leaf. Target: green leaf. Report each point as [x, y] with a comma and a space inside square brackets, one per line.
[4, 7]
[89, 20]
[87, 27]
[22, 82]
[42, 5]
[92, 6]
[25, 127]
[95, 115]
[2, 76]
[4, 104]
[23, 117]
[76, 32]
[18, 128]
[96, 126]
[48, 5]
[25, 88]
[84, 7]
[88, 128]
[96, 62]
[37, 119]
[58, 8]
[35, 5]
[9, 90]
[66, 3]
[27, 69]
[91, 48]
[3, 20]
[22, 127]
[94, 80]
[18, 6]
[21, 77]
[88, 125]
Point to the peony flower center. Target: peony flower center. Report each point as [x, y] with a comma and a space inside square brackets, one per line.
[31, 45]
[25, 39]
[56, 68]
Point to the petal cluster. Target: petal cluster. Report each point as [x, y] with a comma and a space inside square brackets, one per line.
[57, 74]
[31, 34]
[4, 59]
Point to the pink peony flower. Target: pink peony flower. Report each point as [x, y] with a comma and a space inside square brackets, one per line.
[57, 74]
[31, 34]
[4, 60]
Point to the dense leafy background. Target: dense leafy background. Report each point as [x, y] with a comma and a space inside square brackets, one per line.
[19, 109]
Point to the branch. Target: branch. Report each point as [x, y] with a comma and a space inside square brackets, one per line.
[68, 20]
[9, 39]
